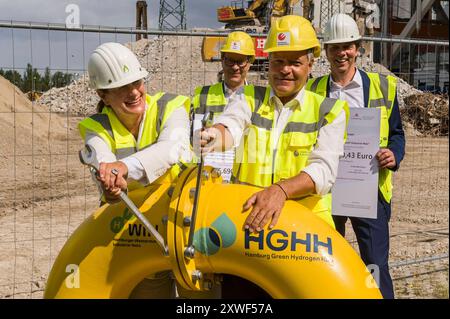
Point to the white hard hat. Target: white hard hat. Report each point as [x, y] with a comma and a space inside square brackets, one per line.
[113, 65]
[341, 28]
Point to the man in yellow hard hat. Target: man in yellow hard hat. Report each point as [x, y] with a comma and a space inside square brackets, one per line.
[237, 55]
[291, 140]
[366, 89]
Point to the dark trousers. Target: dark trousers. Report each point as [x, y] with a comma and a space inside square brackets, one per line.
[373, 241]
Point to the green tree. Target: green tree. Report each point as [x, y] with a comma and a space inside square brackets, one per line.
[60, 79]
[13, 76]
[46, 80]
[31, 79]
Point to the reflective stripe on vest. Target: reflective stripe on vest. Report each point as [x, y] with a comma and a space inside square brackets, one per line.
[209, 98]
[212, 98]
[382, 92]
[258, 164]
[121, 142]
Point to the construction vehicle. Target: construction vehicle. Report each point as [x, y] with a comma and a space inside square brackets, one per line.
[258, 12]
[33, 95]
[256, 18]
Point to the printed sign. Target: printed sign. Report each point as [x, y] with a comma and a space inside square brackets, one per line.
[355, 192]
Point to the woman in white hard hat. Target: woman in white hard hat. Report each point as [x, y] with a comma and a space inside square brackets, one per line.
[138, 138]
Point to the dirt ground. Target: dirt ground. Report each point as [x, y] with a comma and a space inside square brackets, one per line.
[46, 194]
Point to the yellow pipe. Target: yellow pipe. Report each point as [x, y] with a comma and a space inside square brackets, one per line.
[105, 250]
[302, 257]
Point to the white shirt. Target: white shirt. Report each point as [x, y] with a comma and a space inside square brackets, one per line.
[147, 165]
[230, 94]
[353, 92]
[323, 160]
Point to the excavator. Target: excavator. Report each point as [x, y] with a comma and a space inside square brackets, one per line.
[255, 18]
[260, 12]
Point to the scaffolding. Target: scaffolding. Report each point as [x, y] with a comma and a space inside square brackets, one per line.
[172, 15]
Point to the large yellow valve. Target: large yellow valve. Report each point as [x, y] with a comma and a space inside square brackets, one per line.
[111, 252]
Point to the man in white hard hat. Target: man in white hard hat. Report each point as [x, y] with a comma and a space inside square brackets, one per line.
[138, 138]
[365, 89]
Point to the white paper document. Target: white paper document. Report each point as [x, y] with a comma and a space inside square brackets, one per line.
[355, 192]
[223, 162]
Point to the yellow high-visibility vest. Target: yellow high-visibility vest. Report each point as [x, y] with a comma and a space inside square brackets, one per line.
[211, 98]
[257, 164]
[382, 92]
[121, 142]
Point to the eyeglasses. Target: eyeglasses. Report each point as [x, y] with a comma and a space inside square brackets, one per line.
[231, 62]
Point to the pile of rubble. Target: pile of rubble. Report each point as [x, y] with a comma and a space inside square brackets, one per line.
[428, 113]
[175, 65]
[77, 99]
[321, 67]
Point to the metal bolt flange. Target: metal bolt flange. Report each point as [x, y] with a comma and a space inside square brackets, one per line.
[189, 252]
[196, 275]
[192, 192]
[187, 221]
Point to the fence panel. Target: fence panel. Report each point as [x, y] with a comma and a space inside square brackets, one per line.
[47, 193]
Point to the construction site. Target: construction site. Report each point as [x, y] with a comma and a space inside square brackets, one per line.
[47, 193]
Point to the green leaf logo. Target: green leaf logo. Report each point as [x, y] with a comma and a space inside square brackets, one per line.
[222, 233]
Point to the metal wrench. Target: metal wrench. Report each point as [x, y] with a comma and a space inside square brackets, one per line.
[87, 157]
[190, 249]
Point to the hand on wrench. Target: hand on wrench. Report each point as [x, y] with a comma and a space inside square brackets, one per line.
[112, 177]
[87, 157]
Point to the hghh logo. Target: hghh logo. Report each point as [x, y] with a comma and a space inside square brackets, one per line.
[281, 36]
[221, 234]
[280, 240]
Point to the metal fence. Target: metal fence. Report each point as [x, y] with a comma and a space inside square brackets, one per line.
[46, 193]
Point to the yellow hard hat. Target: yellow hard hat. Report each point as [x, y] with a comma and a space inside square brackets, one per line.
[241, 43]
[292, 33]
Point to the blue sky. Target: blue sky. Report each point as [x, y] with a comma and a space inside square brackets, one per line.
[42, 48]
